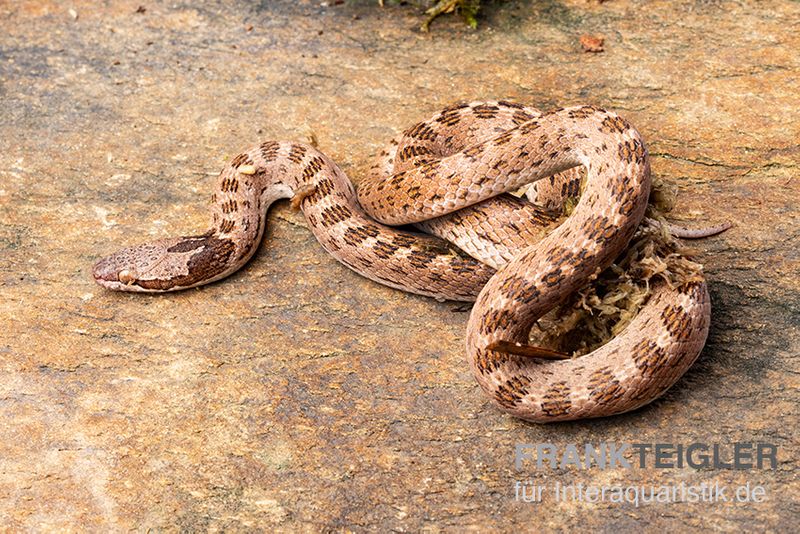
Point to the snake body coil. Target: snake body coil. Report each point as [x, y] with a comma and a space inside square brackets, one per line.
[450, 176]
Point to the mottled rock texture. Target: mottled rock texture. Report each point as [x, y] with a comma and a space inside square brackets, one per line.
[296, 395]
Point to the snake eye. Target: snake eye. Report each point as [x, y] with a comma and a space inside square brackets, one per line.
[126, 277]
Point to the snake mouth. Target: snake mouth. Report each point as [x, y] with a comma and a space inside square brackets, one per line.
[107, 274]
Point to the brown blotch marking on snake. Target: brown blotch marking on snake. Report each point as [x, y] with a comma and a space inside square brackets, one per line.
[499, 165]
[496, 319]
[414, 192]
[649, 357]
[318, 191]
[269, 150]
[561, 256]
[604, 388]
[297, 153]
[311, 168]
[413, 151]
[614, 124]
[358, 234]
[509, 104]
[542, 216]
[463, 264]
[512, 391]
[631, 151]
[372, 230]
[528, 127]
[404, 240]
[229, 184]
[485, 111]
[313, 192]
[421, 259]
[598, 228]
[212, 258]
[364, 262]
[520, 117]
[241, 159]
[457, 217]
[556, 401]
[619, 189]
[482, 361]
[488, 361]
[452, 115]
[582, 112]
[518, 289]
[554, 277]
[429, 171]
[455, 107]
[227, 226]
[229, 206]
[335, 214]
[397, 178]
[421, 131]
[384, 250]
[325, 187]
[474, 152]
[677, 321]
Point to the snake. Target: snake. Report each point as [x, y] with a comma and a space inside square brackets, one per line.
[435, 217]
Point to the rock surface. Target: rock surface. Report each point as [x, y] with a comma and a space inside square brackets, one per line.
[296, 395]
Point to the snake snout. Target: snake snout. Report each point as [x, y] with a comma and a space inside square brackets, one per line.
[105, 270]
[111, 273]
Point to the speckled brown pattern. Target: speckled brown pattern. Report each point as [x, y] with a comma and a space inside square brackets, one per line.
[524, 146]
[468, 156]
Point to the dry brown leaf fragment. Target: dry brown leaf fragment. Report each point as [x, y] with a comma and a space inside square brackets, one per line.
[592, 43]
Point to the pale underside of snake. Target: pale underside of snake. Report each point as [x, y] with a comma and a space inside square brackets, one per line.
[450, 176]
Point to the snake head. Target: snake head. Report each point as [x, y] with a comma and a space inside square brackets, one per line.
[166, 265]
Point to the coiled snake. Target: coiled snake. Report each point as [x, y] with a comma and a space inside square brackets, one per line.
[450, 175]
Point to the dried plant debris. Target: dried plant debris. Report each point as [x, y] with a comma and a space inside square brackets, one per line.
[468, 9]
[593, 315]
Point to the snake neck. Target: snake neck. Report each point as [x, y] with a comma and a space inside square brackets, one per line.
[277, 170]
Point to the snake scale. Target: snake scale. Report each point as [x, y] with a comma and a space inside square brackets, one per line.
[450, 176]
